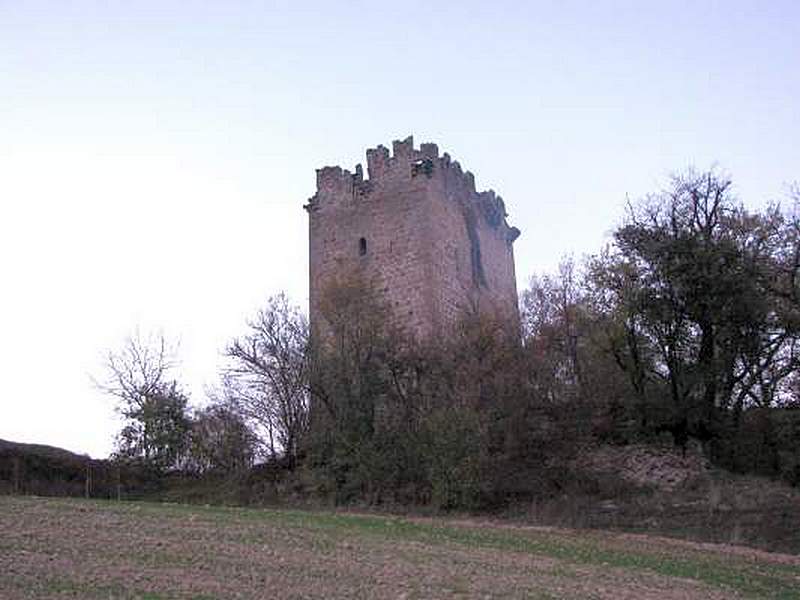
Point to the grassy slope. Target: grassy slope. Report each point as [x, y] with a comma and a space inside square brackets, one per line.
[55, 548]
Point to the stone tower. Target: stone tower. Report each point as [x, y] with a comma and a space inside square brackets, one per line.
[418, 231]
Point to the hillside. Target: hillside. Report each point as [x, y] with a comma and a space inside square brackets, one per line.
[50, 471]
[40, 450]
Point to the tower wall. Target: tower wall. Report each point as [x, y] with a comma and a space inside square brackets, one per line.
[416, 230]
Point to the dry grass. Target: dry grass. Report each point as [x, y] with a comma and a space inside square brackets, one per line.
[56, 548]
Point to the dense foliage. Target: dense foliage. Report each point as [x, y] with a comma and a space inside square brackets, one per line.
[685, 328]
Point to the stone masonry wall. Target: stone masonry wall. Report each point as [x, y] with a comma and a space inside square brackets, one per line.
[434, 246]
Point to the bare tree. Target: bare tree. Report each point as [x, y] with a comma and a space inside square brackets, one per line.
[138, 369]
[152, 403]
[551, 313]
[267, 378]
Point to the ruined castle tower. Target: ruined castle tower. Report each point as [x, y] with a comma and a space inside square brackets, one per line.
[417, 229]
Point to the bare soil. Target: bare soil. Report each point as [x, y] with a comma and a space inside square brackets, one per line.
[61, 548]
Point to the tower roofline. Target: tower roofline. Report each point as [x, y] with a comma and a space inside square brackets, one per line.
[337, 186]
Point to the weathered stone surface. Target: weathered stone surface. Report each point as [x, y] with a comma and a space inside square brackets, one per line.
[419, 231]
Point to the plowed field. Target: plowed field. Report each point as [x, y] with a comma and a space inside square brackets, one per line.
[61, 548]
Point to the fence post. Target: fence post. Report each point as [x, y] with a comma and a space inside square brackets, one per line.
[119, 484]
[88, 490]
[17, 486]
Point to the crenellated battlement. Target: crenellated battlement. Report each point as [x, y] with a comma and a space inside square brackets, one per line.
[404, 166]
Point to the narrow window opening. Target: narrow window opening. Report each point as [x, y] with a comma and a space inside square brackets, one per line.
[362, 247]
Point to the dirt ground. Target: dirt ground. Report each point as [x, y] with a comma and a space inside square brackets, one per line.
[60, 548]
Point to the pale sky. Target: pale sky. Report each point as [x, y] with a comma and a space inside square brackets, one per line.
[155, 156]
